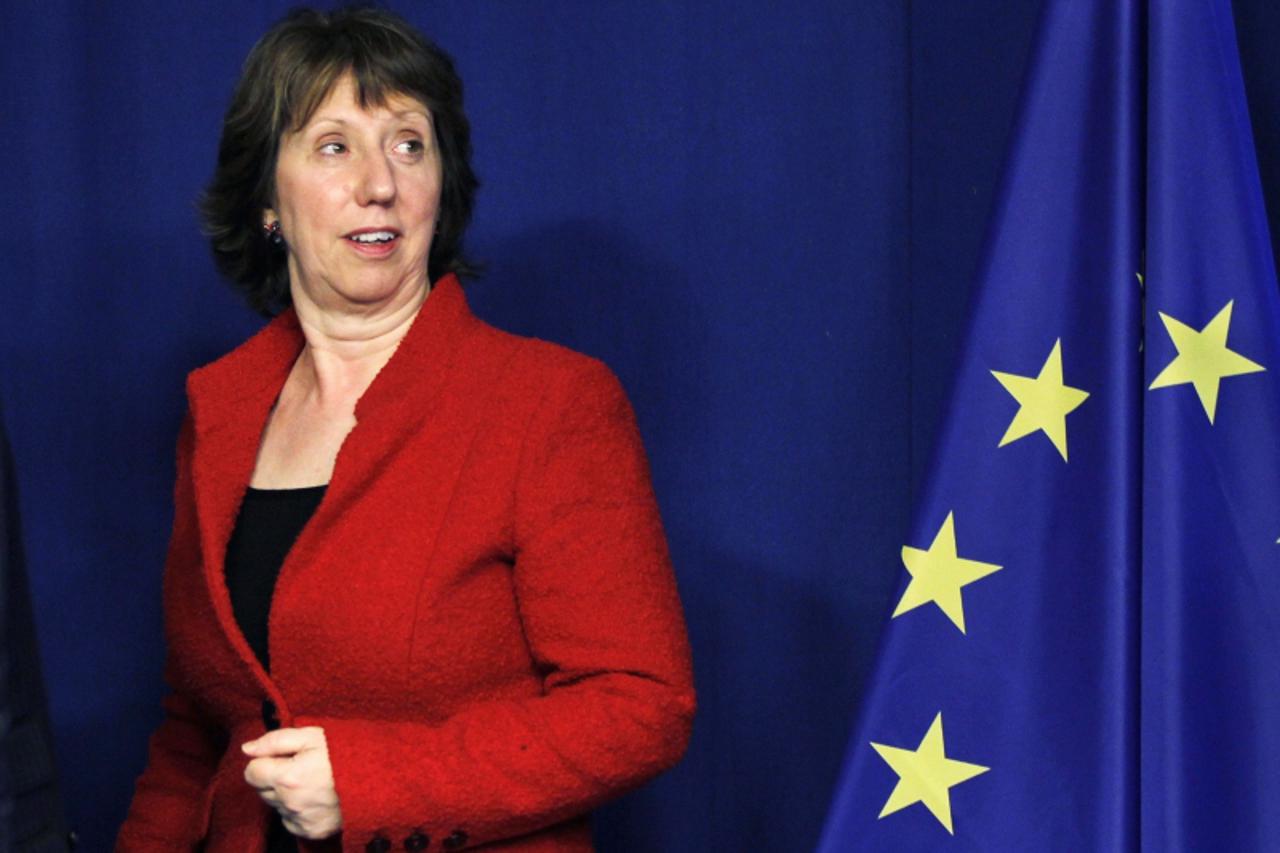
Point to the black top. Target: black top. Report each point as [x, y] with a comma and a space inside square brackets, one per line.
[269, 522]
[266, 528]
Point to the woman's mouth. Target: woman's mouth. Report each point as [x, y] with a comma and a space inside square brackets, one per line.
[373, 242]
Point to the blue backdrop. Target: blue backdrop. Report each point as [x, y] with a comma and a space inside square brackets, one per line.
[763, 218]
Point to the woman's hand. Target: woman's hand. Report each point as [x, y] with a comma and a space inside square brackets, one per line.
[291, 772]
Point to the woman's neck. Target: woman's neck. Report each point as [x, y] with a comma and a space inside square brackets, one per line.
[345, 351]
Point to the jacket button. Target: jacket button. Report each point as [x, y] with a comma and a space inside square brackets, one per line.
[418, 841]
[456, 840]
[378, 845]
[270, 715]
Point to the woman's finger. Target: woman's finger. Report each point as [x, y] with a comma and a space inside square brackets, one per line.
[282, 742]
[293, 826]
[265, 773]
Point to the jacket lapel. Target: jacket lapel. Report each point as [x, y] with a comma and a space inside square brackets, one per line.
[419, 415]
[231, 399]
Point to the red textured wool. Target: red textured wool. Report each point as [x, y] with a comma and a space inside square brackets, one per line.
[481, 614]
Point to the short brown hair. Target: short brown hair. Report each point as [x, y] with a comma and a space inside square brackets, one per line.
[285, 78]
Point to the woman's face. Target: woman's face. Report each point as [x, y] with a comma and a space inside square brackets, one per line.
[357, 194]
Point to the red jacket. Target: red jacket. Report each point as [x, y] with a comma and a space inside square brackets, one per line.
[481, 614]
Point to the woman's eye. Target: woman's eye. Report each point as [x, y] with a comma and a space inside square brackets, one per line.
[333, 148]
[411, 146]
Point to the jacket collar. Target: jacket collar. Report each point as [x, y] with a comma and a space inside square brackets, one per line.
[251, 376]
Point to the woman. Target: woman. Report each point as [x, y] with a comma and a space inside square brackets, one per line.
[475, 638]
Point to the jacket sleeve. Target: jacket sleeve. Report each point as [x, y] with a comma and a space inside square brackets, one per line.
[170, 809]
[599, 607]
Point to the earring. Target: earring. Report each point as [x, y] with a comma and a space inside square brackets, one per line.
[273, 233]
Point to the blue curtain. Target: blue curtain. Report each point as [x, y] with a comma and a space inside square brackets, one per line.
[763, 218]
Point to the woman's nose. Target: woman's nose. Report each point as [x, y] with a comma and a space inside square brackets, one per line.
[377, 184]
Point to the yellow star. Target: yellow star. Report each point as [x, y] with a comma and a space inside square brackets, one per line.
[1043, 402]
[938, 574]
[1203, 358]
[926, 775]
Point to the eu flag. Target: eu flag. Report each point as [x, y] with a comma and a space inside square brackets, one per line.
[1084, 651]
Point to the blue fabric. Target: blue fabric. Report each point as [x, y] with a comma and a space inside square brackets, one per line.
[1114, 685]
